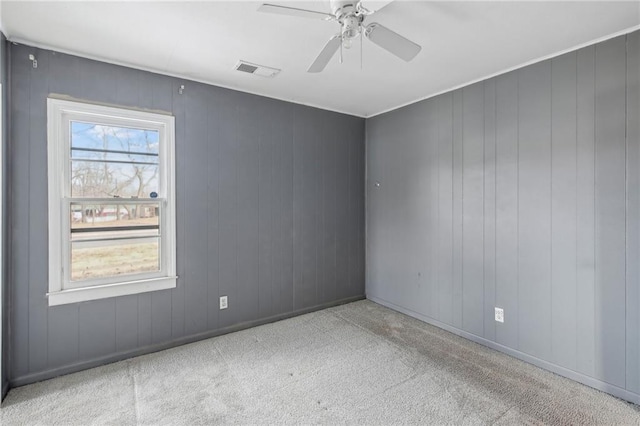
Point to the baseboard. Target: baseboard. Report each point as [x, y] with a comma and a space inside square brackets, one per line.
[84, 365]
[562, 371]
[5, 390]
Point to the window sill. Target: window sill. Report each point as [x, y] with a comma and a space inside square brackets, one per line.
[110, 290]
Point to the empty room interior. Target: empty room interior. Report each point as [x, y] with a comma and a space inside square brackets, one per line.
[320, 212]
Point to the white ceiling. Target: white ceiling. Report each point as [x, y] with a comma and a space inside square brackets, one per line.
[461, 42]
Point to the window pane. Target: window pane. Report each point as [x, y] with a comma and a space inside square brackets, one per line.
[99, 259]
[106, 180]
[100, 221]
[109, 161]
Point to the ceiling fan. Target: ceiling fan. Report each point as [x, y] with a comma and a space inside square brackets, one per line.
[350, 14]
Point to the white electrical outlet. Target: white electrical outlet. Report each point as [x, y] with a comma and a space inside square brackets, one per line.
[224, 302]
[499, 314]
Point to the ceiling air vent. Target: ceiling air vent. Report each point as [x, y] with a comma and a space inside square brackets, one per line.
[256, 69]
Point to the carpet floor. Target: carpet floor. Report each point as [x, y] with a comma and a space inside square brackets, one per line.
[359, 363]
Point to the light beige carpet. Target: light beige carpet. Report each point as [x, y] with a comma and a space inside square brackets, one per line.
[359, 363]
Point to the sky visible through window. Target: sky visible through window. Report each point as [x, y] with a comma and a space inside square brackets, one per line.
[109, 161]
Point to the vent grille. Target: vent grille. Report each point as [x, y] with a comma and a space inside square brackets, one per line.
[256, 69]
[247, 68]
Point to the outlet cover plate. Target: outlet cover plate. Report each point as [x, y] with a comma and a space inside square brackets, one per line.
[499, 314]
[224, 302]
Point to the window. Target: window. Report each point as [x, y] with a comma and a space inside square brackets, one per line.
[111, 201]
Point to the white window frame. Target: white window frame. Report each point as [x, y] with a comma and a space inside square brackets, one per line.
[62, 290]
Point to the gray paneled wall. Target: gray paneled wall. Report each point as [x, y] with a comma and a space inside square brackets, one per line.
[270, 211]
[4, 78]
[520, 192]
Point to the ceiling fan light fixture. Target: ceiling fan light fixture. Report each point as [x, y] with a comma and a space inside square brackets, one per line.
[351, 25]
[350, 33]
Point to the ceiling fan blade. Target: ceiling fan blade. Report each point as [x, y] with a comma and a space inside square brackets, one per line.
[374, 5]
[294, 11]
[391, 41]
[326, 54]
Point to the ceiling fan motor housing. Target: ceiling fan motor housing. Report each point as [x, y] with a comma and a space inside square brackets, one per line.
[342, 7]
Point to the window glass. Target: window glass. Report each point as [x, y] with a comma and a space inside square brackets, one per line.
[110, 161]
[108, 258]
[141, 219]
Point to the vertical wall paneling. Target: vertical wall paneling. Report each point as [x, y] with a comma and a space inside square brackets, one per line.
[228, 205]
[356, 195]
[342, 198]
[161, 317]
[126, 87]
[196, 243]
[610, 77]
[19, 225]
[445, 208]
[213, 205]
[283, 250]
[304, 214]
[97, 331]
[537, 212]
[506, 293]
[246, 167]
[144, 319]
[97, 80]
[266, 199]
[162, 90]
[534, 209]
[320, 222]
[247, 195]
[418, 211]
[327, 290]
[458, 312]
[313, 210]
[412, 189]
[430, 286]
[489, 209]
[38, 88]
[126, 316]
[633, 212]
[473, 209]
[585, 212]
[563, 210]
